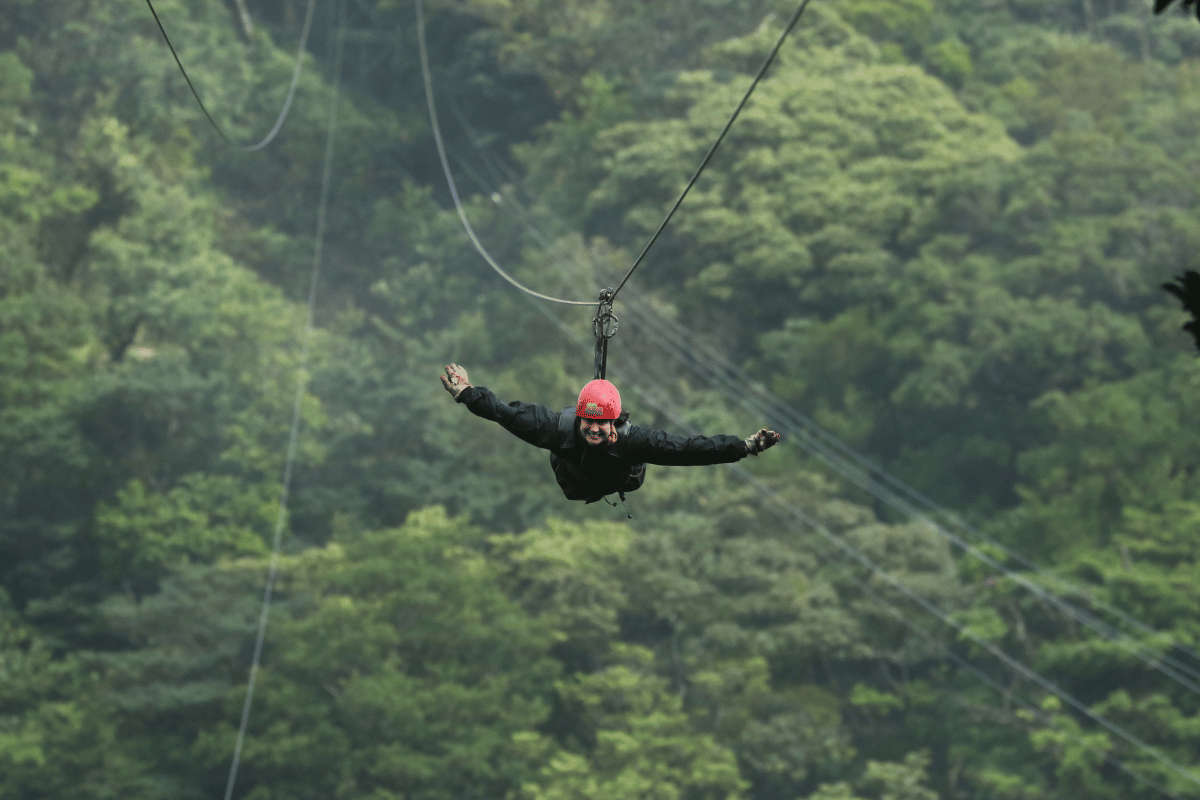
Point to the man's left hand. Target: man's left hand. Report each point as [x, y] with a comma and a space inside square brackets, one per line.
[761, 441]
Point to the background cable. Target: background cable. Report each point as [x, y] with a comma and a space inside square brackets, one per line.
[740, 395]
[462, 215]
[302, 369]
[287, 103]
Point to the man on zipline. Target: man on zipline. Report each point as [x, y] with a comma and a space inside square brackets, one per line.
[594, 451]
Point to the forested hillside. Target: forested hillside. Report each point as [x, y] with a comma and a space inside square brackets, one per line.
[929, 253]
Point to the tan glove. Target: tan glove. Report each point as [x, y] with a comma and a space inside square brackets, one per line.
[455, 380]
[761, 441]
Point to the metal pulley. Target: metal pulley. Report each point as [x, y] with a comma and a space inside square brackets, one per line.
[604, 327]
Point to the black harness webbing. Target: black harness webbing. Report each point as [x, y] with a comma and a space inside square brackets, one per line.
[604, 326]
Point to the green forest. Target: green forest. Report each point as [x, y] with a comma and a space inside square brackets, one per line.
[929, 253]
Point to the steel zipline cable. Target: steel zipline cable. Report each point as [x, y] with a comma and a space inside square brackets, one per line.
[437, 135]
[293, 435]
[791, 23]
[287, 103]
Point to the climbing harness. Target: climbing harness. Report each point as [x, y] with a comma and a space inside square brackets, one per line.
[570, 478]
[622, 496]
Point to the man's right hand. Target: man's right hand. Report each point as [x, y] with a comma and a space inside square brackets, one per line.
[455, 380]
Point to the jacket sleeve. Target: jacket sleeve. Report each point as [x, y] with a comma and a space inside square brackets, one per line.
[529, 422]
[659, 447]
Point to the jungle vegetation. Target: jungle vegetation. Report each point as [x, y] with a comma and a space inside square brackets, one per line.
[938, 230]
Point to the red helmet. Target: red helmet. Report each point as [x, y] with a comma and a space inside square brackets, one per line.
[599, 400]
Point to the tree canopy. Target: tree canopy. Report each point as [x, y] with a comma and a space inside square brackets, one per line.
[938, 231]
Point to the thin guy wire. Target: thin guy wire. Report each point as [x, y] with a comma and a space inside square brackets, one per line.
[820, 443]
[736, 392]
[761, 71]
[946, 651]
[1156, 659]
[988, 681]
[1012, 663]
[287, 104]
[293, 435]
[462, 214]
[875, 474]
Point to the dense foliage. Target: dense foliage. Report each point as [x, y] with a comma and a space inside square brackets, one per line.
[939, 230]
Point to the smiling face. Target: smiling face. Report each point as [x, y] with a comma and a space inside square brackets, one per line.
[596, 432]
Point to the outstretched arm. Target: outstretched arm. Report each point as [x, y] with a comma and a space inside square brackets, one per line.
[667, 449]
[529, 422]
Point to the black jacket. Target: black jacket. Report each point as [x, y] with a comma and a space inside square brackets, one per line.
[589, 473]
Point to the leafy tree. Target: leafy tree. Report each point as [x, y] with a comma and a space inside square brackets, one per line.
[634, 741]
[55, 737]
[404, 671]
[938, 228]
[171, 660]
